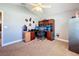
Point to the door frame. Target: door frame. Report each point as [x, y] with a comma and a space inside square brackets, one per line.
[1, 28]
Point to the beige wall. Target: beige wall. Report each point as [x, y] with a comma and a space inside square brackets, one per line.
[64, 32]
[61, 23]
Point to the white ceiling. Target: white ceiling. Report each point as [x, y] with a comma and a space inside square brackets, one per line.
[56, 8]
[61, 7]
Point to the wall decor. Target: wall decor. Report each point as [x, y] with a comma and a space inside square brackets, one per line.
[30, 19]
[33, 22]
[30, 23]
[26, 20]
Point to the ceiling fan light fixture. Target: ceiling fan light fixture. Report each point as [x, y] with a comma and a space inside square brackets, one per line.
[37, 9]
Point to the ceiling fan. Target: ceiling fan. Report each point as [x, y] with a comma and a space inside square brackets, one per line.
[39, 6]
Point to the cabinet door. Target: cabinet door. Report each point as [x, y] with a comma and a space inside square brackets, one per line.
[27, 36]
[49, 35]
[32, 35]
[53, 35]
[74, 35]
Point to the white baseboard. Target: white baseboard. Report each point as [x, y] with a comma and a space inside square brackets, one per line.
[63, 40]
[11, 43]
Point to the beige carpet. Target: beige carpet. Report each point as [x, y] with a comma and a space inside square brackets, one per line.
[38, 48]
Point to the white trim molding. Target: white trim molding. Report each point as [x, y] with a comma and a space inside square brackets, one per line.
[11, 42]
[63, 40]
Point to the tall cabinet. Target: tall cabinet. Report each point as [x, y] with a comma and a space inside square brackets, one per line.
[74, 35]
[50, 35]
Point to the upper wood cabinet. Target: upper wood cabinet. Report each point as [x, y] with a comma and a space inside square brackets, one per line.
[50, 34]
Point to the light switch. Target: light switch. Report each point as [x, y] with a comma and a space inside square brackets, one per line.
[5, 26]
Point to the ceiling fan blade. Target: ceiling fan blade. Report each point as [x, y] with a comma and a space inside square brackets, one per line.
[37, 9]
[40, 5]
[34, 4]
[46, 6]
